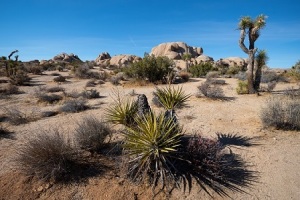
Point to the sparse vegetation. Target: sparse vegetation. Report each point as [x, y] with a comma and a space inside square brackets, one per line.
[92, 134]
[281, 113]
[15, 116]
[210, 90]
[48, 156]
[59, 79]
[74, 105]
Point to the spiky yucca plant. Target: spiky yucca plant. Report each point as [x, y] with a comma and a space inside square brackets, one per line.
[122, 111]
[151, 146]
[171, 97]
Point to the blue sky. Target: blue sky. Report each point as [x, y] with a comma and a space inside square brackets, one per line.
[41, 29]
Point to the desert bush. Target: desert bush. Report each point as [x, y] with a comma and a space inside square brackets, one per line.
[19, 78]
[73, 94]
[59, 79]
[115, 80]
[171, 97]
[205, 154]
[90, 83]
[200, 70]
[151, 68]
[34, 69]
[90, 94]
[55, 89]
[269, 76]
[211, 90]
[15, 116]
[74, 105]
[242, 76]
[47, 156]
[92, 134]
[212, 74]
[281, 113]
[271, 85]
[242, 87]
[216, 81]
[49, 98]
[185, 76]
[292, 92]
[233, 70]
[9, 90]
[151, 147]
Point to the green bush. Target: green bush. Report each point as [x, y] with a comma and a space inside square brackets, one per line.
[200, 70]
[242, 87]
[152, 68]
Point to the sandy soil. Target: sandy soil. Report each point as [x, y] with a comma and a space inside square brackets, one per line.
[275, 157]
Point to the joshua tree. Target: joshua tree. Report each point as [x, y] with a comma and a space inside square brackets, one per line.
[261, 59]
[251, 27]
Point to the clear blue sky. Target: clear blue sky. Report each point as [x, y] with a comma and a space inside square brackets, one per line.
[41, 29]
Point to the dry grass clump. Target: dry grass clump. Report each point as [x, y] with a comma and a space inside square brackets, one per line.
[92, 134]
[90, 94]
[210, 90]
[42, 96]
[281, 113]
[15, 116]
[74, 105]
[47, 156]
[55, 89]
[9, 90]
[59, 79]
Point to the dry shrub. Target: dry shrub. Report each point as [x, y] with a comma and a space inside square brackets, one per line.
[9, 90]
[55, 89]
[20, 78]
[281, 113]
[47, 156]
[242, 87]
[5, 133]
[212, 74]
[271, 85]
[44, 97]
[15, 116]
[59, 79]
[185, 76]
[90, 94]
[211, 90]
[74, 105]
[92, 134]
[91, 83]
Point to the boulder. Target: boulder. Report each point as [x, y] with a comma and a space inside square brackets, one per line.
[175, 50]
[232, 62]
[123, 60]
[103, 56]
[64, 57]
[204, 58]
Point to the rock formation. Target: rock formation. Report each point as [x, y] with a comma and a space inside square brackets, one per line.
[176, 50]
[118, 60]
[63, 57]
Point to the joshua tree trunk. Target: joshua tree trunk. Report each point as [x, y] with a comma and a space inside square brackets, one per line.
[250, 69]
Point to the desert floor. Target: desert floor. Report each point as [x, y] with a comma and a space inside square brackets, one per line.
[273, 154]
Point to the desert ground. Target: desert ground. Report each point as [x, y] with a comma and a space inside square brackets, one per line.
[273, 155]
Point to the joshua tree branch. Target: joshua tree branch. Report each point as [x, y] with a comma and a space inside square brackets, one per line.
[12, 53]
[241, 41]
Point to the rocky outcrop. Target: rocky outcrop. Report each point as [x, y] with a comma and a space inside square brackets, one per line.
[204, 58]
[64, 57]
[176, 50]
[118, 60]
[232, 62]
